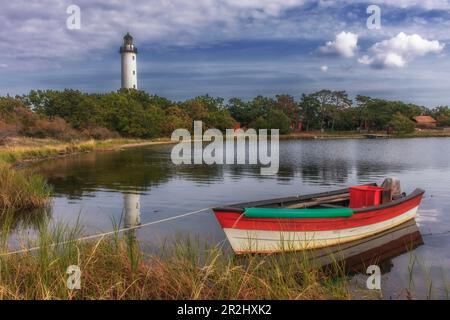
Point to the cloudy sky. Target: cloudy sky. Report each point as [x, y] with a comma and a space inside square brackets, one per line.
[231, 47]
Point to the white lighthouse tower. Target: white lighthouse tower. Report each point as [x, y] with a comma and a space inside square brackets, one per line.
[128, 54]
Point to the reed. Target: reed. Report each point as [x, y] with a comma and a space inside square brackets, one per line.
[421, 285]
[22, 190]
[116, 268]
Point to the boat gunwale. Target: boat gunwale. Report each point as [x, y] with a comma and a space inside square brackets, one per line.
[240, 207]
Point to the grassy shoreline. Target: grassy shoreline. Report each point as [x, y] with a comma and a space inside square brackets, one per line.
[28, 150]
[115, 267]
[25, 150]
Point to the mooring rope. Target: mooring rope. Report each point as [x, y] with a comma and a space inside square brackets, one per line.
[104, 234]
[430, 234]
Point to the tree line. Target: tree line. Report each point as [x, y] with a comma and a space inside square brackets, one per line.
[72, 114]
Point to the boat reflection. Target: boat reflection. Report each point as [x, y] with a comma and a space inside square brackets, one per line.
[378, 249]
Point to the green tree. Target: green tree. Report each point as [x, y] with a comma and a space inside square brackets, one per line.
[341, 103]
[402, 124]
[309, 109]
[325, 105]
[275, 119]
[442, 115]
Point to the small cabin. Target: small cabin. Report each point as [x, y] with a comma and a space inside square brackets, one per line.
[425, 122]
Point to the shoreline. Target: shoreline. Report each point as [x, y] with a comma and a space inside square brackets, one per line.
[317, 135]
[35, 150]
[42, 150]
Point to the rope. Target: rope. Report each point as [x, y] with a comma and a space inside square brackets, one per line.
[436, 234]
[104, 234]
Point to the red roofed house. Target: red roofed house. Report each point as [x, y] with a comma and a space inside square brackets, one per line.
[425, 122]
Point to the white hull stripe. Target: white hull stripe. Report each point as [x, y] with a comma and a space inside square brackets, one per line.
[242, 240]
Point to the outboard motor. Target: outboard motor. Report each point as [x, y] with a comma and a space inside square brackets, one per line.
[392, 190]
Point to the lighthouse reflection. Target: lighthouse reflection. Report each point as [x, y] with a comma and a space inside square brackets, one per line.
[131, 216]
[132, 210]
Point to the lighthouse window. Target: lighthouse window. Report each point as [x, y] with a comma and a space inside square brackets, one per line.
[134, 86]
[133, 57]
[134, 72]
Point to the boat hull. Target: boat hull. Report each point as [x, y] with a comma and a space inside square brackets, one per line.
[267, 235]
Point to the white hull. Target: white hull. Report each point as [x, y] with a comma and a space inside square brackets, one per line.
[261, 241]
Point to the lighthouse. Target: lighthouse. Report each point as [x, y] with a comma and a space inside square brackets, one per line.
[128, 54]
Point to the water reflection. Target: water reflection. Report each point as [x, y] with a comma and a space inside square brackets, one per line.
[321, 162]
[27, 220]
[378, 249]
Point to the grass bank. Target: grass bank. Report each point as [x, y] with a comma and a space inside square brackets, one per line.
[20, 150]
[116, 268]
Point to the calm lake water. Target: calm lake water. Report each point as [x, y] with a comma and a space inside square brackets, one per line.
[97, 186]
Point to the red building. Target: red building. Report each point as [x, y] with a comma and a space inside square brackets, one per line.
[425, 122]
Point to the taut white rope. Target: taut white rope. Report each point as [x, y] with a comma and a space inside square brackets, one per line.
[101, 235]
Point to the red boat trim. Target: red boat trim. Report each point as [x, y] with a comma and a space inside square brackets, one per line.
[362, 217]
[278, 202]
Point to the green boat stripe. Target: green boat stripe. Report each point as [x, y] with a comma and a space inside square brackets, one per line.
[297, 213]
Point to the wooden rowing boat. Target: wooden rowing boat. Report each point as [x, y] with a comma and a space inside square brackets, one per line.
[311, 221]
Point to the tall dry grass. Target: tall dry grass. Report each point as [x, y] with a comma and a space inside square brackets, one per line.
[14, 154]
[116, 268]
[22, 190]
[37, 149]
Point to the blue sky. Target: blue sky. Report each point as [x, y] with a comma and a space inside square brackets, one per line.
[230, 48]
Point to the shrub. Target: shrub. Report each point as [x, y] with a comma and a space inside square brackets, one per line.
[402, 124]
[275, 119]
[56, 128]
[99, 133]
[7, 130]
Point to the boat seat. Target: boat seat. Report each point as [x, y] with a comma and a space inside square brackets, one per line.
[331, 206]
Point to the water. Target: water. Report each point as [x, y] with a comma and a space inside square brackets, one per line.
[96, 187]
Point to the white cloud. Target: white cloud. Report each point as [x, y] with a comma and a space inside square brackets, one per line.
[38, 29]
[345, 45]
[324, 68]
[426, 4]
[399, 50]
